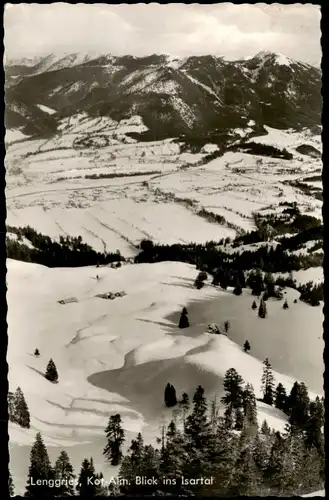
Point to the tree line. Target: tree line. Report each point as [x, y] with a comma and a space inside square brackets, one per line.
[67, 252]
[210, 255]
[229, 276]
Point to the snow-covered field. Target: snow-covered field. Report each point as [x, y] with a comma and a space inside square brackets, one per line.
[117, 356]
[47, 188]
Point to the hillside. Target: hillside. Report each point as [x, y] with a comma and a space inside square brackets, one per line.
[117, 356]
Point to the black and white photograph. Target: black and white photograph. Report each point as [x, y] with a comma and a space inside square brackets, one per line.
[164, 239]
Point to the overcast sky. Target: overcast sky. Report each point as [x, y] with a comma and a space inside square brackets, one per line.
[224, 29]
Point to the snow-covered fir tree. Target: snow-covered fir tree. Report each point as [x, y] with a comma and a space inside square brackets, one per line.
[184, 405]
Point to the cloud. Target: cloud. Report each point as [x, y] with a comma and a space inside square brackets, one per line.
[141, 29]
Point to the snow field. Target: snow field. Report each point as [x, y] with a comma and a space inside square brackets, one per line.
[116, 356]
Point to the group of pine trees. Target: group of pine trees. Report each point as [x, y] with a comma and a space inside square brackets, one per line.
[253, 461]
[199, 443]
[303, 414]
[18, 411]
[47, 481]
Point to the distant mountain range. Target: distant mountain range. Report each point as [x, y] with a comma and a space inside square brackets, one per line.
[195, 96]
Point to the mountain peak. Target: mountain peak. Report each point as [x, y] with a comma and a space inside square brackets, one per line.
[276, 57]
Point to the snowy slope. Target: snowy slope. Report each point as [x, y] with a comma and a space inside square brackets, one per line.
[111, 356]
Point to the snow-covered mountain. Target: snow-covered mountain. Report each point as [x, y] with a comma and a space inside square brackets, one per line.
[198, 95]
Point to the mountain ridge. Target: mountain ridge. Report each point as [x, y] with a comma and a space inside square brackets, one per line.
[189, 96]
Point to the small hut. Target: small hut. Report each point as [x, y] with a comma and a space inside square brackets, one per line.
[68, 300]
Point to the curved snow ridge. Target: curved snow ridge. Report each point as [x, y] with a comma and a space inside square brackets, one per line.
[224, 354]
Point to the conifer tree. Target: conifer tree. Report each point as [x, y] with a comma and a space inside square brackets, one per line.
[227, 326]
[115, 436]
[40, 469]
[219, 460]
[233, 388]
[51, 372]
[314, 435]
[184, 405]
[280, 398]
[170, 396]
[265, 429]
[36, 352]
[285, 304]
[255, 282]
[21, 411]
[11, 488]
[197, 424]
[261, 450]
[184, 321]
[150, 468]
[279, 472]
[246, 479]
[254, 305]
[86, 487]
[249, 405]
[173, 458]
[298, 405]
[136, 448]
[131, 465]
[268, 383]
[246, 346]
[64, 473]
[262, 310]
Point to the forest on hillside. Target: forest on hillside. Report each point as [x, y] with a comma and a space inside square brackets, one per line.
[202, 451]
